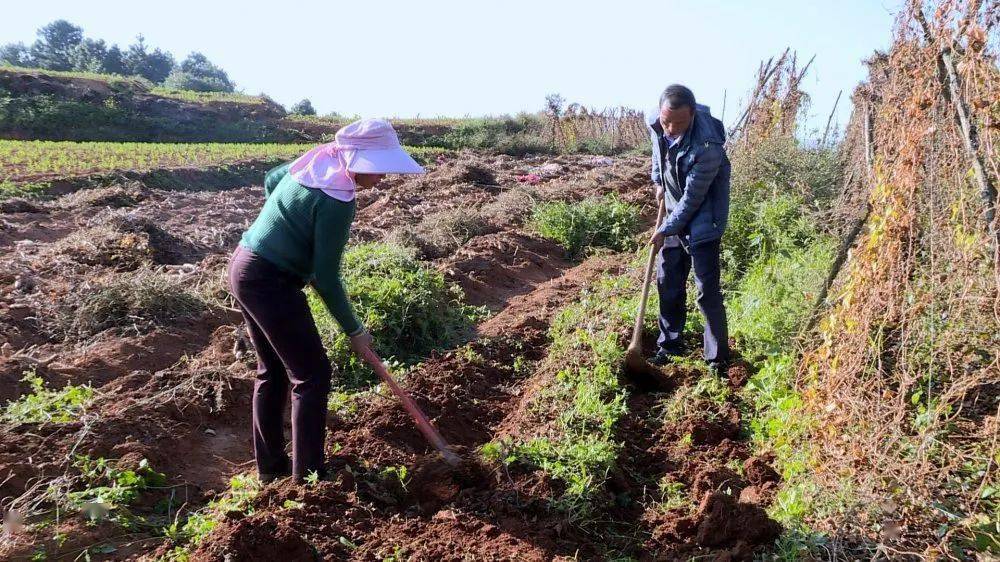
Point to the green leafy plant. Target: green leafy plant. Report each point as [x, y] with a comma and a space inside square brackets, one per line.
[44, 404]
[409, 309]
[398, 475]
[238, 499]
[584, 400]
[606, 222]
[673, 495]
[111, 485]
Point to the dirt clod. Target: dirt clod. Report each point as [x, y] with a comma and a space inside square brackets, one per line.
[256, 538]
[724, 521]
[434, 482]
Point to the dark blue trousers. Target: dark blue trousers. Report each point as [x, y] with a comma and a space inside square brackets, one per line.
[672, 268]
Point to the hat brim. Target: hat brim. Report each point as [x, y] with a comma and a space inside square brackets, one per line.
[384, 161]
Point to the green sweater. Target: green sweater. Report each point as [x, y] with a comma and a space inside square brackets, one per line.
[304, 231]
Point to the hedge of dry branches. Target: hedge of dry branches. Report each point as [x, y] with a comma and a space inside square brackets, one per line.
[775, 102]
[902, 386]
[576, 127]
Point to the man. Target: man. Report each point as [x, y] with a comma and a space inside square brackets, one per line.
[691, 173]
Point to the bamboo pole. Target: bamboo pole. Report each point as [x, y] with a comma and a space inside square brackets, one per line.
[848, 242]
[829, 119]
[970, 136]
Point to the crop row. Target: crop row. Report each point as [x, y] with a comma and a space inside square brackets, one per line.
[30, 160]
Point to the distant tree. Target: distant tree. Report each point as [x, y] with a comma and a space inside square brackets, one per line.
[197, 73]
[89, 55]
[114, 61]
[304, 107]
[154, 66]
[53, 50]
[16, 54]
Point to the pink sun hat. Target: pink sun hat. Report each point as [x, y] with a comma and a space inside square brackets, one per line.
[376, 149]
[368, 146]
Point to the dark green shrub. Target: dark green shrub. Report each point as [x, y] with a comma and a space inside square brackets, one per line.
[180, 80]
[606, 222]
[772, 302]
[515, 136]
[759, 229]
[409, 309]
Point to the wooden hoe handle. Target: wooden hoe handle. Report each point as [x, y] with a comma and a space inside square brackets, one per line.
[423, 424]
[641, 313]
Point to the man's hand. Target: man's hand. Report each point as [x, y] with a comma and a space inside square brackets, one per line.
[659, 194]
[657, 240]
[361, 343]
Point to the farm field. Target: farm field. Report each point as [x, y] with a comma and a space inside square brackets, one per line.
[174, 389]
[33, 163]
[858, 419]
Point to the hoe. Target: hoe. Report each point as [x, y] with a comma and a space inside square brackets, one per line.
[423, 424]
[636, 365]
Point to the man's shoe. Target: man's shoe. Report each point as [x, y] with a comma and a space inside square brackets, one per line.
[660, 359]
[669, 350]
[719, 368]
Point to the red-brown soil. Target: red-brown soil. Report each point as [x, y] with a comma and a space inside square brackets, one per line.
[177, 395]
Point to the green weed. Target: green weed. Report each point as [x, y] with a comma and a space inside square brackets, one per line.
[409, 309]
[398, 475]
[583, 401]
[700, 399]
[243, 489]
[110, 486]
[773, 301]
[673, 495]
[44, 405]
[605, 222]
[342, 403]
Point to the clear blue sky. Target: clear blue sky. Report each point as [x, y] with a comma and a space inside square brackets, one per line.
[455, 58]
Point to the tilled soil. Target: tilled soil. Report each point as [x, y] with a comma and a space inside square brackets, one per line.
[177, 393]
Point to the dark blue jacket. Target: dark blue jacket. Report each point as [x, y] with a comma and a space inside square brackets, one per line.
[696, 189]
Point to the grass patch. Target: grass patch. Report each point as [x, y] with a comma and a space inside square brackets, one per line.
[206, 97]
[409, 309]
[46, 405]
[116, 81]
[702, 399]
[24, 160]
[773, 301]
[515, 136]
[584, 400]
[605, 222]
[27, 190]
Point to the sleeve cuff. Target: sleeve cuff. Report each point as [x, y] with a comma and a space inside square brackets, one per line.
[359, 330]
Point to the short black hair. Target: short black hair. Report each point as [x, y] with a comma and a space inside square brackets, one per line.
[677, 96]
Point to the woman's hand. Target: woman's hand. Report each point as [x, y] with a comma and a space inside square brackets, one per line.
[362, 342]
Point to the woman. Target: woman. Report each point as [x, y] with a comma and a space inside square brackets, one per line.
[298, 238]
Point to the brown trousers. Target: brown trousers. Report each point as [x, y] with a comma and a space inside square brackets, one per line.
[290, 355]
